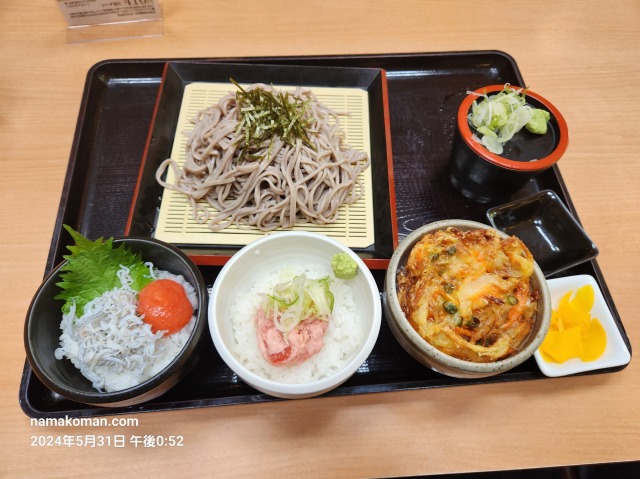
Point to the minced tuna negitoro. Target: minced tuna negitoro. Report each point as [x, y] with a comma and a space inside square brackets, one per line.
[314, 345]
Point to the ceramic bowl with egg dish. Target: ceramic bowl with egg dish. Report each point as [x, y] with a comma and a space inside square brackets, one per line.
[294, 314]
[505, 136]
[465, 299]
[118, 323]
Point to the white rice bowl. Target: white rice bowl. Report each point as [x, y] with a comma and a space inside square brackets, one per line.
[237, 293]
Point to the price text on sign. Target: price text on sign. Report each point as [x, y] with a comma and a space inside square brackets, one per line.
[92, 12]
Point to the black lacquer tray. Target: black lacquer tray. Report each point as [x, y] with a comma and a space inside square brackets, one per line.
[424, 93]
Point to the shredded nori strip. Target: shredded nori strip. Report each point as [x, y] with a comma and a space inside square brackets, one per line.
[265, 114]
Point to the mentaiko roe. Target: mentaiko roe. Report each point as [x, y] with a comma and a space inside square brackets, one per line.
[163, 304]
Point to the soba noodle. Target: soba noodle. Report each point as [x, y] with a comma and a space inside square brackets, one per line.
[288, 183]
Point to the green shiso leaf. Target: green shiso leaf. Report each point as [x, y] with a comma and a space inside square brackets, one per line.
[91, 270]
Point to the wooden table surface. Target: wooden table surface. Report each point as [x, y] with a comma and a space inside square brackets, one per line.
[584, 55]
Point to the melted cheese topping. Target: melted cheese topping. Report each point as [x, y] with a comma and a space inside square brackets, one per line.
[469, 293]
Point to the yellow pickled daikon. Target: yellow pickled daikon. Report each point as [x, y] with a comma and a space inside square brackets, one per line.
[573, 333]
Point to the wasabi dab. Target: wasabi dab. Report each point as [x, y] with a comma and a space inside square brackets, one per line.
[498, 117]
[538, 122]
[344, 266]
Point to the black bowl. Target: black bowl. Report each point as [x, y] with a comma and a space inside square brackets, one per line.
[42, 333]
[486, 177]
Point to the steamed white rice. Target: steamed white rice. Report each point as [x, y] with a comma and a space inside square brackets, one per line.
[341, 341]
[110, 343]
